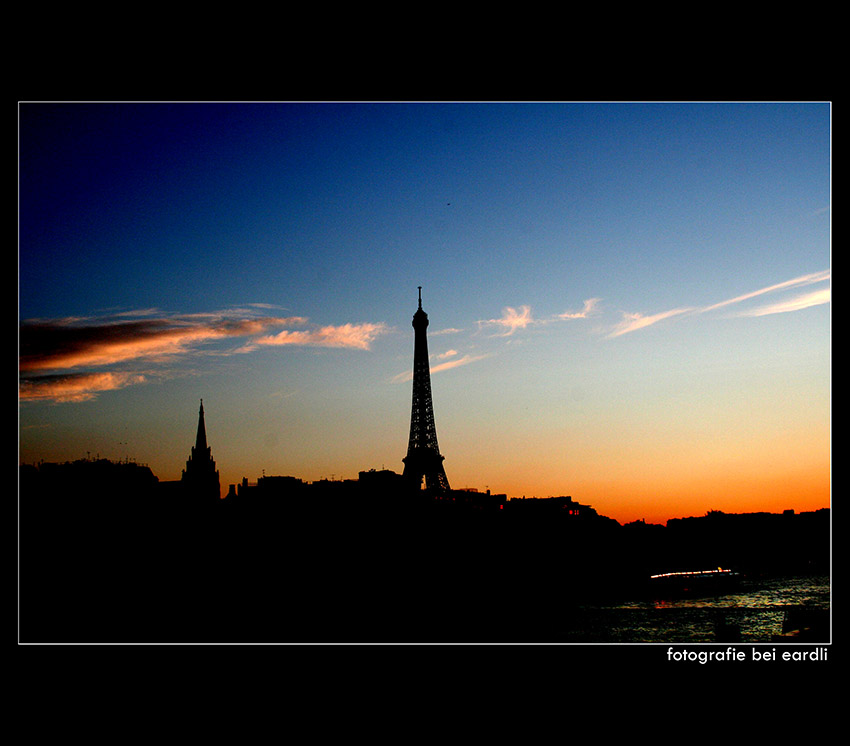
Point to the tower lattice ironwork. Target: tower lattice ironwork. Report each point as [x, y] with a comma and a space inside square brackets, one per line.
[423, 460]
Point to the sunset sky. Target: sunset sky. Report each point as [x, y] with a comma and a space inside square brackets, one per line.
[629, 303]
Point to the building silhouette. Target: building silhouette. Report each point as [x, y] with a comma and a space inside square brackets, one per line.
[423, 465]
[200, 477]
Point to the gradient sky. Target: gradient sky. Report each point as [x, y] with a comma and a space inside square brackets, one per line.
[629, 303]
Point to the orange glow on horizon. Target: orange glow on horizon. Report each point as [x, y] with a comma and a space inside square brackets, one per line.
[628, 499]
[656, 492]
[806, 490]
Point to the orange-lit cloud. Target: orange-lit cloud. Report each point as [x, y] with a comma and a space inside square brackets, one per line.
[66, 344]
[511, 320]
[51, 348]
[465, 360]
[76, 388]
[448, 365]
[356, 336]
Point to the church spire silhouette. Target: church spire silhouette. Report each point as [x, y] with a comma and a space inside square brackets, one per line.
[201, 439]
[200, 476]
[423, 460]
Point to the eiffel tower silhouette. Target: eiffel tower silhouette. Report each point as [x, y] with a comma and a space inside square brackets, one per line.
[423, 460]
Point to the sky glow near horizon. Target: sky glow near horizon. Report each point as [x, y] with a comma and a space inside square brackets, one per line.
[628, 303]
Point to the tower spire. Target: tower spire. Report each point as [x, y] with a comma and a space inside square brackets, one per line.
[201, 439]
[200, 475]
[423, 460]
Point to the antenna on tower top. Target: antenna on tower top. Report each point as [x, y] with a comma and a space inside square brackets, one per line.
[420, 296]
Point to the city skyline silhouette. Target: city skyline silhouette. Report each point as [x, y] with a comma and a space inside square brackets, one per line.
[629, 303]
[108, 553]
[422, 466]
[423, 473]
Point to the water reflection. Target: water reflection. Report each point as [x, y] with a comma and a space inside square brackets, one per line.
[754, 613]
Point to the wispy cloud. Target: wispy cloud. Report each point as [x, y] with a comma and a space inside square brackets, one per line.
[76, 387]
[511, 320]
[589, 307]
[448, 365]
[52, 349]
[796, 282]
[64, 344]
[440, 332]
[815, 298]
[355, 336]
[465, 360]
[516, 319]
[633, 321]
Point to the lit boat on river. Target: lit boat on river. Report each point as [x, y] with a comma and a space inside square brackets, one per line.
[695, 582]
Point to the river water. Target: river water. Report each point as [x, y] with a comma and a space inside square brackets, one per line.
[756, 609]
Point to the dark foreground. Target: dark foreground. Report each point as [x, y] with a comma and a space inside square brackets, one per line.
[395, 572]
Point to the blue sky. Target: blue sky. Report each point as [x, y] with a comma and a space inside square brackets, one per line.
[588, 269]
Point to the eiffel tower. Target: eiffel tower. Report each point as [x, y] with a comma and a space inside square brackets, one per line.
[423, 460]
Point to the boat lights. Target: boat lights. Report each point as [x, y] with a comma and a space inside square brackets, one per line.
[685, 573]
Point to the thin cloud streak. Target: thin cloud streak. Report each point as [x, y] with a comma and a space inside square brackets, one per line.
[796, 282]
[816, 298]
[465, 360]
[448, 365]
[633, 321]
[444, 331]
[76, 388]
